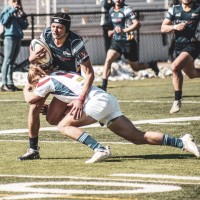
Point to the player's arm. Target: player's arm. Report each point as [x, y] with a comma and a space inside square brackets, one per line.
[134, 26]
[35, 55]
[88, 71]
[167, 26]
[29, 95]
[77, 105]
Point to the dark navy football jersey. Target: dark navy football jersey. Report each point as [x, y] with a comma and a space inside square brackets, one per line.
[191, 18]
[122, 18]
[70, 55]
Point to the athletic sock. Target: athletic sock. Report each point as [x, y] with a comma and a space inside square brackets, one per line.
[33, 142]
[104, 83]
[90, 142]
[178, 95]
[172, 141]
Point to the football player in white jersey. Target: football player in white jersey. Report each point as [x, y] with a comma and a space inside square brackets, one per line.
[98, 106]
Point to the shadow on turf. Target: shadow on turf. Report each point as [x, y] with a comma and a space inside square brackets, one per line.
[137, 157]
[156, 156]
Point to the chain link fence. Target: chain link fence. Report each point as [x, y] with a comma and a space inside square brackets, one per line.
[152, 44]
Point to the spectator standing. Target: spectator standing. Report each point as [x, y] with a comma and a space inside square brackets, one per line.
[14, 20]
[123, 40]
[183, 19]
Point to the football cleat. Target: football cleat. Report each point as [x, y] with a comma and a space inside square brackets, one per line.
[101, 124]
[99, 155]
[31, 154]
[189, 145]
[176, 106]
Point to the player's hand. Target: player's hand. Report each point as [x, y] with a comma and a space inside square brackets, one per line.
[44, 109]
[118, 29]
[110, 33]
[179, 27]
[34, 55]
[77, 109]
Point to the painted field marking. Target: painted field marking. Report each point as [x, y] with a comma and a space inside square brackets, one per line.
[9, 100]
[33, 191]
[155, 101]
[157, 176]
[148, 121]
[121, 101]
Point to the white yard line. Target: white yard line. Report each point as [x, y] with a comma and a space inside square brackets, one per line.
[149, 121]
[155, 101]
[157, 176]
[121, 101]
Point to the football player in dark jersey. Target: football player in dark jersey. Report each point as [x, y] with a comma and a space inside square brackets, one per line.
[68, 52]
[123, 40]
[183, 19]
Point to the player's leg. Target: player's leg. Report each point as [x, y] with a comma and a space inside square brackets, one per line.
[112, 55]
[130, 52]
[185, 57]
[177, 80]
[189, 68]
[97, 108]
[33, 127]
[136, 66]
[123, 127]
[69, 127]
[56, 111]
